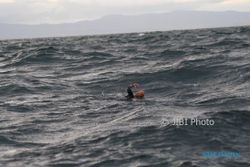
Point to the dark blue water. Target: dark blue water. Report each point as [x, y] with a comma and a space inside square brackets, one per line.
[62, 99]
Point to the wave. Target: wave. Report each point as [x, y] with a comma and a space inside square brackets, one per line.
[65, 98]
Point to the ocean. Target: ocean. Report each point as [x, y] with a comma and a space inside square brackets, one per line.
[62, 100]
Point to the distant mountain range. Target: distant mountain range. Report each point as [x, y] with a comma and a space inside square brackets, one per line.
[127, 23]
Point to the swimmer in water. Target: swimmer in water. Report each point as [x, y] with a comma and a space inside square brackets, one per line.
[139, 93]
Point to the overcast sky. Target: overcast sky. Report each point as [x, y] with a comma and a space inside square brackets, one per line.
[58, 11]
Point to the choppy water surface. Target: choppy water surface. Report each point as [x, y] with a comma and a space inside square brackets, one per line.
[62, 99]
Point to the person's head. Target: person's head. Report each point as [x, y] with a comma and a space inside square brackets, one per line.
[135, 85]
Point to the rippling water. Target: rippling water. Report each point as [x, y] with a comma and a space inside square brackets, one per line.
[62, 99]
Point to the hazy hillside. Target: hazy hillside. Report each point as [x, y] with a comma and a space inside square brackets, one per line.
[123, 24]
